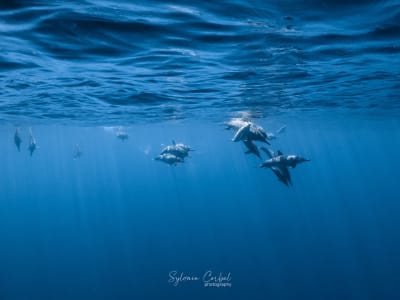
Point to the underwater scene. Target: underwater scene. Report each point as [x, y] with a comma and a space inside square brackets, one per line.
[199, 149]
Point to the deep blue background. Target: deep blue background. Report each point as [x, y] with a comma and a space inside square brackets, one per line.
[114, 223]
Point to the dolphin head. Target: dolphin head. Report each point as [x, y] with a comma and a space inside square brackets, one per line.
[293, 160]
[302, 159]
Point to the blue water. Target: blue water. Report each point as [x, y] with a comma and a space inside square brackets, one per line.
[114, 223]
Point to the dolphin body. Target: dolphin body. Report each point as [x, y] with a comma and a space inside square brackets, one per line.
[283, 160]
[280, 163]
[179, 150]
[32, 144]
[252, 148]
[17, 139]
[257, 133]
[169, 158]
[122, 135]
[247, 130]
[77, 152]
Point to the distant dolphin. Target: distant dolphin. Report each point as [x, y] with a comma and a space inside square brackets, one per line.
[32, 143]
[77, 152]
[179, 150]
[122, 134]
[17, 139]
[169, 159]
[252, 148]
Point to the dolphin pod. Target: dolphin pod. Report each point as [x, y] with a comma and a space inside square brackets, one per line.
[247, 132]
[174, 154]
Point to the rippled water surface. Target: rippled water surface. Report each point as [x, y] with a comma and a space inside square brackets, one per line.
[128, 61]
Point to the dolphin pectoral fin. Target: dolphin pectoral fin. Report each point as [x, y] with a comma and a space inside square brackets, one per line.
[247, 152]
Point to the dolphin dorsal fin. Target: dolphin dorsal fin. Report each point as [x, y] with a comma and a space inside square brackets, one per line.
[280, 152]
[173, 142]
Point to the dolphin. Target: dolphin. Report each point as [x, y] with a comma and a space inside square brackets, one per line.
[122, 134]
[180, 150]
[252, 148]
[17, 139]
[77, 152]
[257, 133]
[247, 130]
[32, 143]
[279, 164]
[283, 160]
[169, 158]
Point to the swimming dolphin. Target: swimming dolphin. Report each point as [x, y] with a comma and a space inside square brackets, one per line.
[247, 130]
[283, 160]
[32, 143]
[169, 158]
[122, 134]
[252, 148]
[282, 172]
[77, 152]
[257, 133]
[17, 139]
[279, 164]
[180, 150]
